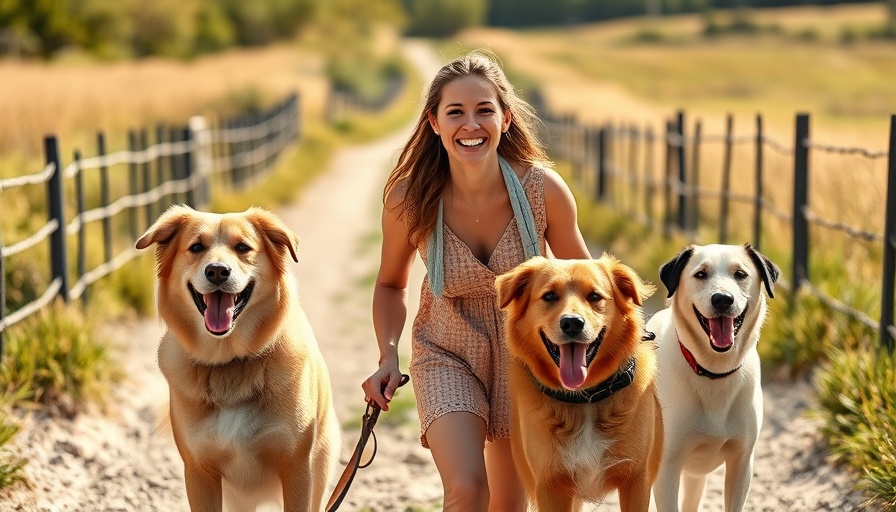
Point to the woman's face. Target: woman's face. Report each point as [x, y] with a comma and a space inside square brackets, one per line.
[469, 120]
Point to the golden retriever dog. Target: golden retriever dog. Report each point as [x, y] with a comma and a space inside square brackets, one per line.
[585, 419]
[709, 375]
[250, 398]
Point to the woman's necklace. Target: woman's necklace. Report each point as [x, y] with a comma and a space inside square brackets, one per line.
[475, 211]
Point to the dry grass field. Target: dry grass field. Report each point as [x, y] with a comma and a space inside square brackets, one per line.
[75, 99]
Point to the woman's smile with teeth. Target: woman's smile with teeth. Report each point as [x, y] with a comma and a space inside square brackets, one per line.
[471, 142]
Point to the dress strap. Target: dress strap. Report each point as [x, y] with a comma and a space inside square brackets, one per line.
[522, 211]
[525, 223]
[435, 266]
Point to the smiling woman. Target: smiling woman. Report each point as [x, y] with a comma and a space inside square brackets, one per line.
[473, 194]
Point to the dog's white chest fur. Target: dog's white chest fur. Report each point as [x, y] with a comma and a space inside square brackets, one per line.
[585, 457]
[234, 432]
[582, 455]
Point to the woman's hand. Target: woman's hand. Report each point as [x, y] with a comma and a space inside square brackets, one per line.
[381, 386]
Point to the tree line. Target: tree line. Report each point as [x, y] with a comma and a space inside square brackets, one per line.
[185, 28]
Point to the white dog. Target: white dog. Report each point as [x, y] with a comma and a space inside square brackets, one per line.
[709, 376]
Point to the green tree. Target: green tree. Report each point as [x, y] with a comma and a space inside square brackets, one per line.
[891, 17]
[440, 18]
[214, 30]
[164, 27]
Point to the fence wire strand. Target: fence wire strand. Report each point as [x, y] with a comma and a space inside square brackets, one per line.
[814, 218]
[31, 179]
[839, 306]
[39, 236]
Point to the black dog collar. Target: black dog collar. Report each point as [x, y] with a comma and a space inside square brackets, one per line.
[616, 382]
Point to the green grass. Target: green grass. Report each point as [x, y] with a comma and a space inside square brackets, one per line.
[11, 465]
[857, 405]
[56, 356]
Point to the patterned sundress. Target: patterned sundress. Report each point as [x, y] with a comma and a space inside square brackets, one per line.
[458, 357]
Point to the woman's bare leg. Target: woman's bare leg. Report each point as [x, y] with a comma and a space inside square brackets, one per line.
[506, 489]
[457, 441]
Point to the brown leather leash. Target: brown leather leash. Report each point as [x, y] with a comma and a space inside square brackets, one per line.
[371, 414]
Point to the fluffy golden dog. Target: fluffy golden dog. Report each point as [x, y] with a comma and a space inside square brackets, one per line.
[585, 419]
[250, 398]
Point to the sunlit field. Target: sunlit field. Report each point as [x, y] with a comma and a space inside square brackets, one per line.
[820, 61]
[75, 99]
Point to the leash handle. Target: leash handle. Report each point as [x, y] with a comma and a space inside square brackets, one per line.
[371, 415]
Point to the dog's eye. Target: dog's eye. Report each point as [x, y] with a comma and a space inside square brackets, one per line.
[197, 247]
[242, 248]
[701, 274]
[594, 297]
[740, 275]
[550, 297]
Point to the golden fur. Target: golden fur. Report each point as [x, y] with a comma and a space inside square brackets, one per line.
[250, 397]
[567, 453]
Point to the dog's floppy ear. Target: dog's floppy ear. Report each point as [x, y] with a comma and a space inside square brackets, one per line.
[768, 270]
[670, 272]
[164, 229]
[626, 282]
[514, 283]
[274, 229]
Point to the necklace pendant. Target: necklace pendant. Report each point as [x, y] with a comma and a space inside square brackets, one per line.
[477, 218]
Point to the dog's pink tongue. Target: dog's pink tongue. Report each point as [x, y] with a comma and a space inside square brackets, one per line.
[721, 331]
[219, 313]
[572, 364]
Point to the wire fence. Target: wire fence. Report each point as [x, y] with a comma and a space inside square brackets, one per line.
[659, 178]
[122, 193]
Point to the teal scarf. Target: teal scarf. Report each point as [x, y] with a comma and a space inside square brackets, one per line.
[525, 222]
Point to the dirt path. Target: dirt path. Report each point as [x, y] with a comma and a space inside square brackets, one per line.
[126, 462]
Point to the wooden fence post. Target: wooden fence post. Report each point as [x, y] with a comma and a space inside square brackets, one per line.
[82, 228]
[161, 178]
[667, 179]
[694, 222]
[602, 164]
[800, 202]
[648, 175]
[758, 198]
[2, 297]
[886, 308]
[147, 178]
[132, 183]
[633, 171]
[726, 180]
[105, 198]
[56, 210]
[190, 196]
[682, 173]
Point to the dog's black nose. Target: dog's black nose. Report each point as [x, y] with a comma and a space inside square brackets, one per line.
[722, 300]
[217, 273]
[572, 325]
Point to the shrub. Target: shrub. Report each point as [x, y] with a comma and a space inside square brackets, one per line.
[10, 464]
[857, 405]
[54, 357]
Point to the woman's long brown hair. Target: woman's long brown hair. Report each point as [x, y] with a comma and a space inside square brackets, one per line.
[422, 169]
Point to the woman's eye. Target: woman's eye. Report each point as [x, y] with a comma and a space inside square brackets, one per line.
[197, 247]
[454, 112]
[242, 248]
[486, 111]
